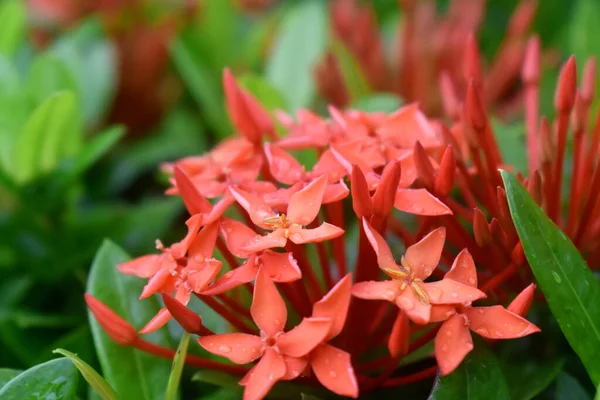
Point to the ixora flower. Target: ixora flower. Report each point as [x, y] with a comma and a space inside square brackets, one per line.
[263, 223]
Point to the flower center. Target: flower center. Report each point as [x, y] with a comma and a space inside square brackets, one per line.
[277, 222]
[270, 341]
[407, 276]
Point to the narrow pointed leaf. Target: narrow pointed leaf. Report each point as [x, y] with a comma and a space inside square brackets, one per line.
[131, 373]
[90, 375]
[55, 379]
[177, 367]
[569, 286]
[478, 377]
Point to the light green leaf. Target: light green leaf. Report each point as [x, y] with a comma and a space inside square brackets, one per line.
[91, 376]
[568, 388]
[130, 372]
[385, 102]
[301, 41]
[56, 379]
[177, 368]
[571, 291]
[47, 76]
[7, 374]
[13, 25]
[478, 377]
[354, 79]
[264, 92]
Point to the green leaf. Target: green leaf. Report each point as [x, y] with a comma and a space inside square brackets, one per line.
[131, 373]
[478, 377]
[47, 76]
[301, 41]
[13, 25]
[266, 94]
[52, 131]
[7, 374]
[385, 102]
[538, 376]
[55, 379]
[511, 139]
[91, 376]
[597, 396]
[571, 291]
[569, 388]
[177, 368]
[95, 149]
[354, 79]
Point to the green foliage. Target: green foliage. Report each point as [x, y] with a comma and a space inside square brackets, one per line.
[177, 367]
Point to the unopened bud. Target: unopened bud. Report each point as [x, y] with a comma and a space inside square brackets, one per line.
[119, 330]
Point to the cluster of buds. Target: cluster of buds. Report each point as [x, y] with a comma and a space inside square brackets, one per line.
[429, 53]
[321, 308]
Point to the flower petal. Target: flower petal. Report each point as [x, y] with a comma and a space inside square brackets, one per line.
[240, 348]
[219, 208]
[447, 291]
[262, 242]
[281, 267]
[419, 202]
[158, 281]
[158, 321]
[452, 343]
[254, 206]
[400, 336]
[520, 305]
[283, 166]
[335, 192]
[406, 126]
[377, 290]
[143, 267]
[418, 311]
[329, 165]
[463, 269]
[441, 312]
[301, 340]
[199, 275]
[333, 369]
[385, 259]
[193, 200]
[496, 322]
[334, 305]
[243, 274]
[204, 243]
[424, 256]
[324, 232]
[264, 375]
[305, 204]
[236, 234]
[194, 223]
[294, 367]
[268, 308]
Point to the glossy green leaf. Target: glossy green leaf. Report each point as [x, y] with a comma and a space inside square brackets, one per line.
[300, 42]
[478, 377]
[538, 376]
[569, 388]
[7, 374]
[92, 377]
[56, 379]
[571, 291]
[52, 131]
[264, 92]
[13, 25]
[131, 373]
[385, 102]
[177, 367]
[354, 79]
[47, 76]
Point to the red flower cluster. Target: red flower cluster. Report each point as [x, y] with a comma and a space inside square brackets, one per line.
[287, 224]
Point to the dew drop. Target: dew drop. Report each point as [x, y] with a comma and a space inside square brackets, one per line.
[480, 310]
[434, 293]
[427, 271]
[498, 333]
[444, 348]
[556, 277]
[276, 321]
[332, 374]
[224, 348]
[482, 331]
[327, 361]
[390, 294]
[472, 281]
[454, 294]
[469, 345]
[448, 333]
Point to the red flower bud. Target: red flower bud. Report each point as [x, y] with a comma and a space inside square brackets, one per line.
[361, 197]
[119, 330]
[530, 73]
[385, 195]
[481, 229]
[564, 97]
[444, 181]
[521, 304]
[424, 167]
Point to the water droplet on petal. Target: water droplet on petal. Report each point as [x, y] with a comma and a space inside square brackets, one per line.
[389, 294]
[427, 271]
[327, 361]
[224, 348]
[276, 321]
[444, 348]
[498, 333]
[454, 294]
[434, 293]
[472, 281]
[482, 331]
[480, 310]
[332, 374]
[448, 333]
[469, 345]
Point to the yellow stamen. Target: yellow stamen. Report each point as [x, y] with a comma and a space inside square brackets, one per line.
[419, 291]
[394, 273]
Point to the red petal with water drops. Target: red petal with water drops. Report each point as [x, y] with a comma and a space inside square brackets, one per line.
[281, 267]
[262, 242]
[305, 205]
[285, 168]
[419, 202]
[334, 305]
[496, 322]
[324, 232]
[179, 249]
[521, 304]
[144, 266]
[219, 208]
[418, 311]
[158, 281]
[199, 275]
[441, 312]
[236, 234]
[204, 243]
[193, 200]
[452, 343]
[448, 291]
[268, 308]
[270, 369]
[400, 336]
[385, 259]
[243, 274]
[407, 125]
[295, 366]
[377, 290]
[333, 369]
[254, 206]
[240, 348]
[424, 256]
[328, 164]
[301, 340]
[463, 269]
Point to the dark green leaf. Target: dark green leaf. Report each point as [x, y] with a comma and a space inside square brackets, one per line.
[91, 376]
[56, 379]
[131, 373]
[177, 367]
[301, 41]
[478, 377]
[538, 376]
[378, 102]
[568, 388]
[572, 293]
[7, 374]
[13, 25]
